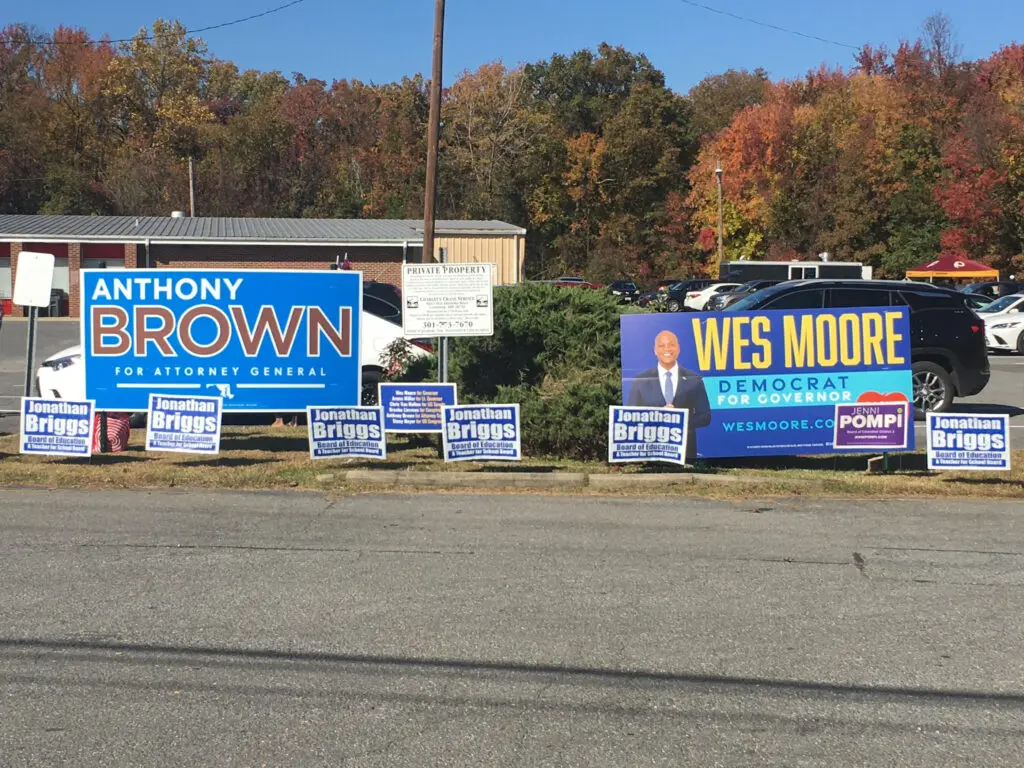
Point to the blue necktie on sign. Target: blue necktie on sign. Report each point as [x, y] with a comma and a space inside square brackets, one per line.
[667, 389]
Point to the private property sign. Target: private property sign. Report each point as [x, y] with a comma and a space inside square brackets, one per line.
[447, 300]
[263, 340]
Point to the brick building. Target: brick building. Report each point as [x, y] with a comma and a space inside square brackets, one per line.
[376, 247]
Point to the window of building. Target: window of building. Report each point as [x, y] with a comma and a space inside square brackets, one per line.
[803, 273]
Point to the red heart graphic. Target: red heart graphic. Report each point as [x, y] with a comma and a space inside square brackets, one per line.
[888, 397]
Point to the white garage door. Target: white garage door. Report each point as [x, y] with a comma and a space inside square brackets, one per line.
[5, 277]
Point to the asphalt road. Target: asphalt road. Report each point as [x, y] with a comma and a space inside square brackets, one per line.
[1004, 393]
[201, 629]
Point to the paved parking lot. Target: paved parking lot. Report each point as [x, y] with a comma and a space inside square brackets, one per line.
[1004, 394]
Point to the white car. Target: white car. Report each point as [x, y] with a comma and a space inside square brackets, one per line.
[699, 299]
[60, 376]
[1005, 333]
[1005, 305]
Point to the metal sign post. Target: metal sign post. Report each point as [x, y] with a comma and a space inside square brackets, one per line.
[30, 348]
[442, 360]
[32, 285]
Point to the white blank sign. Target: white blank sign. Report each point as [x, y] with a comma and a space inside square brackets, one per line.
[34, 279]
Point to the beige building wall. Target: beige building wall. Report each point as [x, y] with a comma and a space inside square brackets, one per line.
[505, 252]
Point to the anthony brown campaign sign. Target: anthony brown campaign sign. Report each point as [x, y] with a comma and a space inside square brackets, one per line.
[765, 383]
[263, 340]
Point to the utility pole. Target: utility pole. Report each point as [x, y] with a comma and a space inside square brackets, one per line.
[191, 190]
[721, 247]
[433, 131]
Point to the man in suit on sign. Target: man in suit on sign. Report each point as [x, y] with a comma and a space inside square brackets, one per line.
[666, 385]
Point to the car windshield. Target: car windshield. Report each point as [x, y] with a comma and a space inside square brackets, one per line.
[756, 299]
[999, 305]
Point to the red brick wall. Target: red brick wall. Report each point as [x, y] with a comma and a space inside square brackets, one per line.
[74, 269]
[381, 264]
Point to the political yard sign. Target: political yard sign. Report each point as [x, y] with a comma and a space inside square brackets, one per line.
[646, 434]
[968, 441]
[872, 426]
[183, 424]
[353, 432]
[768, 382]
[481, 433]
[263, 340]
[415, 407]
[56, 427]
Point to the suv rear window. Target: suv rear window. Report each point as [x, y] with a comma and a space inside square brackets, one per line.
[921, 298]
[857, 297]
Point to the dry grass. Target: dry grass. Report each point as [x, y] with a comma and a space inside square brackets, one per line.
[257, 458]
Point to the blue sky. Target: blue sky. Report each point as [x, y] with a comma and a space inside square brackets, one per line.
[382, 40]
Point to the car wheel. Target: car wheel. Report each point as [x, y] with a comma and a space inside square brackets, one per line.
[933, 389]
[673, 306]
[1020, 344]
[369, 393]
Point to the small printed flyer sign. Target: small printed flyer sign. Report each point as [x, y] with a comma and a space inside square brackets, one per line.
[414, 407]
[56, 427]
[969, 441]
[481, 433]
[346, 432]
[647, 434]
[872, 426]
[184, 424]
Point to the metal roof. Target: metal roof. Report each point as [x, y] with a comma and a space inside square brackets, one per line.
[168, 229]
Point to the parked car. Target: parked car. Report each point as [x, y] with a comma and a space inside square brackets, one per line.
[61, 377]
[947, 338]
[1004, 305]
[383, 300]
[697, 299]
[995, 288]
[576, 282]
[627, 291]
[978, 301]
[722, 300]
[674, 296]
[1005, 333]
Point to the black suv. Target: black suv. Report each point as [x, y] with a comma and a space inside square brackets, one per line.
[625, 291]
[675, 295]
[728, 298]
[995, 289]
[947, 340]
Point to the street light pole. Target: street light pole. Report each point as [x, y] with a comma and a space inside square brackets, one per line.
[721, 247]
[433, 136]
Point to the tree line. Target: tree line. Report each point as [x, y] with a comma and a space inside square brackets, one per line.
[906, 154]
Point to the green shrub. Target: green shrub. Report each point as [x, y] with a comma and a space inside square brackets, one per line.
[555, 351]
[566, 417]
[540, 331]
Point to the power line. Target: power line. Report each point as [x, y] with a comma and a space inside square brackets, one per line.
[768, 25]
[196, 31]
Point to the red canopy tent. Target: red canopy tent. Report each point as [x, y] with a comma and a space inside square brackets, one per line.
[955, 267]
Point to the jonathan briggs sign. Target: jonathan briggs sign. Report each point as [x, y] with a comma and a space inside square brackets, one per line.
[263, 340]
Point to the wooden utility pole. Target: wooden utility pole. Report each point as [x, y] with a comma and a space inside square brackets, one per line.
[191, 189]
[433, 136]
[721, 232]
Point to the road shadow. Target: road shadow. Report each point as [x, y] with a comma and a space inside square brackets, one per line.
[103, 459]
[226, 462]
[900, 462]
[190, 656]
[265, 442]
